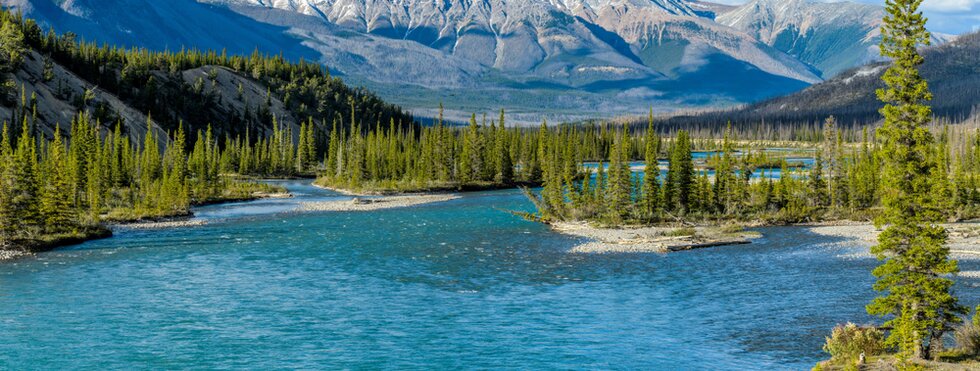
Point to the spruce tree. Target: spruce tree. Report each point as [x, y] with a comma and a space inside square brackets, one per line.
[7, 211]
[725, 175]
[505, 165]
[681, 173]
[818, 188]
[913, 280]
[12, 48]
[56, 204]
[651, 170]
[24, 180]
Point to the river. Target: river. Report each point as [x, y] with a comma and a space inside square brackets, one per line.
[459, 284]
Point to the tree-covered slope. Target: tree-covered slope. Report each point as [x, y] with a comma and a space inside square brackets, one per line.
[234, 94]
[952, 69]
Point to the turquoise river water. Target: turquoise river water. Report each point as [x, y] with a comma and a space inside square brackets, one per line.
[460, 284]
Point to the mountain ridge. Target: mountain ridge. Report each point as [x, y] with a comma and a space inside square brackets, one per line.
[952, 70]
[559, 59]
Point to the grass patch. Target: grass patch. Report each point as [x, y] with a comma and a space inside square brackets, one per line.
[681, 232]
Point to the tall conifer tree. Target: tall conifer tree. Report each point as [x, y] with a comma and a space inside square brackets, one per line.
[916, 290]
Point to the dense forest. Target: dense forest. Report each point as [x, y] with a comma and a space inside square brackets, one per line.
[734, 182]
[843, 182]
[64, 186]
[488, 154]
[60, 189]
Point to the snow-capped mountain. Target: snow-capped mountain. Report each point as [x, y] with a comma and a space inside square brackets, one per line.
[829, 36]
[569, 56]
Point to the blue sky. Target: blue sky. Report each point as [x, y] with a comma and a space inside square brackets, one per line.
[947, 16]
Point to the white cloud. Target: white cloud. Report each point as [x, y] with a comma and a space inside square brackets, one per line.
[950, 5]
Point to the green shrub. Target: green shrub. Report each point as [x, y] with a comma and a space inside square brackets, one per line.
[968, 339]
[686, 231]
[848, 341]
[732, 228]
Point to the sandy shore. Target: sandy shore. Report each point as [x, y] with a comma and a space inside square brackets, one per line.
[162, 224]
[964, 238]
[272, 195]
[375, 203]
[346, 192]
[648, 239]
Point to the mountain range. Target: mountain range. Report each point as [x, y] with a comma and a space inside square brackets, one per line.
[951, 69]
[563, 59]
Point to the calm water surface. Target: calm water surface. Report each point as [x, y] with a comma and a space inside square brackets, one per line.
[461, 284]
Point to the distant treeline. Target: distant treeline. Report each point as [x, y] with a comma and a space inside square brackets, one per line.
[844, 182]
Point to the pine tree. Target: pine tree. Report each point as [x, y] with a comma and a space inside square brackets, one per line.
[12, 48]
[651, 171]
[680, 173]
[818, 188]
[917, 293]
[150, 167]
[24, 200]
[505, 164]
[620, 192]
[56, 201]
[725, 175]
[7, 211]
[334, 150]
[469, 164]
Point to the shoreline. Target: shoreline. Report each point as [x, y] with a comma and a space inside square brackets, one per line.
[105, 228]
[183, 219]
[964, 237]
[448, 189]
[650, 239]
[376, 203]
[25, 248]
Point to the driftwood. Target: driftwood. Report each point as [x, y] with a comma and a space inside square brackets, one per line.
[680, 220]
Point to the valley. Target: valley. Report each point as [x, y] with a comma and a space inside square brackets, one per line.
[641, 184]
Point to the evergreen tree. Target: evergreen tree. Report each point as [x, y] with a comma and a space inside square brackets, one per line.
[651, 186]
[917, 293]
[12, 48]
[56, 196]
[725, 175]
[818, 188]
[505, 166]
[680, 173]
[620, 185]
[24, 185]
[469, 164]
[7, 211]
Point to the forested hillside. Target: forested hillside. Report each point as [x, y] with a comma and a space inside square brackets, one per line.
[952, 69]
[235, 95]
[92, 134]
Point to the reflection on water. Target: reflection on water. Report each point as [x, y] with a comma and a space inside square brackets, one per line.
[460, 284]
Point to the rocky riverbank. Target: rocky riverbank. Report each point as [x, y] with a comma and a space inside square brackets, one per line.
[376, 203]
[124, 220]
[964, 238]
[651, 239]
[177, 223]
[26, 247]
